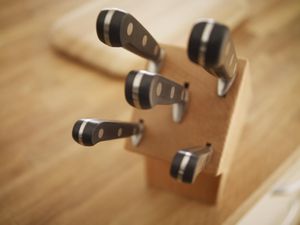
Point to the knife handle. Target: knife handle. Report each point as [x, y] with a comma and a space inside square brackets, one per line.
[210, 45]
[144, 90]
[188, 163]
[117, 28]
[89, 132]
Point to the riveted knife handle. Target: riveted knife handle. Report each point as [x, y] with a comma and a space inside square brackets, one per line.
[117, 28]
[210, 45]
[89, 132]
[145, 90]
[188, 163]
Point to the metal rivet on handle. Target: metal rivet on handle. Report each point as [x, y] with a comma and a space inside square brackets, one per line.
[158, 89]
[101, 133]
[120, 132]
[129, 29]
[172, 93]
[144, 42]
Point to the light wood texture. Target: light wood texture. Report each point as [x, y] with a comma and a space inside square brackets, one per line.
[47, 178]
[206, 188]
[75, 34]
[272, 209]
[209, 118]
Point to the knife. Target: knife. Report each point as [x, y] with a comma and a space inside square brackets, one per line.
[118, 28]
[188, 163]
[144, 90]
[89, 132]
[210, 45]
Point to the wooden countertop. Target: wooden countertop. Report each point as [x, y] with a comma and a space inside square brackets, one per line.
[46, 178]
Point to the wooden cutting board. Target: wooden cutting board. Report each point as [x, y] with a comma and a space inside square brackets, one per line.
[168, 21]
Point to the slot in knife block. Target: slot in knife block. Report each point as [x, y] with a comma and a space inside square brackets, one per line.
[209, 119]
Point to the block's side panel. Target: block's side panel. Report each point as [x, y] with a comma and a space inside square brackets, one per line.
[238, 117]
[205, 189]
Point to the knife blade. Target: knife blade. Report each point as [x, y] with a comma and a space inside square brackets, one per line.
[210, 45]
[89, 132]
[118, 28]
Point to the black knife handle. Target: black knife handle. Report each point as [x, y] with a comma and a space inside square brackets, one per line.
[117, 28]
[210, 45]
[89, 132]
[188, 163]
[145, 90]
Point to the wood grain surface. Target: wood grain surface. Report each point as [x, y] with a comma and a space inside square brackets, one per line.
[47, 178]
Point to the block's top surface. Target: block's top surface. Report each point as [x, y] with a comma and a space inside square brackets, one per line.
[207, 119]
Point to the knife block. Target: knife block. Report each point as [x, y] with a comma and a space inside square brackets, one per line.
[209, 119]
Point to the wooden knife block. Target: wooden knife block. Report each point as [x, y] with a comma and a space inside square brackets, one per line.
[209, 118]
